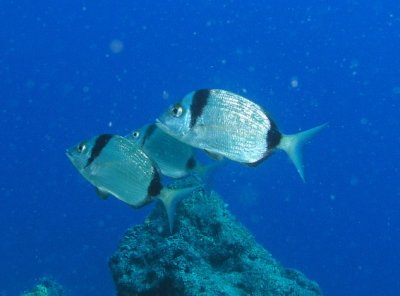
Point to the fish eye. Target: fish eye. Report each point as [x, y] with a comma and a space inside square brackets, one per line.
[81, 147]
[136, 134]
[176, 110]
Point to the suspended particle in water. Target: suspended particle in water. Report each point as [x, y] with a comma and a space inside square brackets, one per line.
[30, 84]
[251, 68]
[364, 121]
[294, 82]
[116, 46]
[101, 223]
[396, 90]
[165, 95]
[354, 180]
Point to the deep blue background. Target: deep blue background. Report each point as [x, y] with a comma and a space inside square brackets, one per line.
[60, 82]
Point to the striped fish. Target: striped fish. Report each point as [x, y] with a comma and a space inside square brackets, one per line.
[228, 125]
[117, 166]
[174, 158]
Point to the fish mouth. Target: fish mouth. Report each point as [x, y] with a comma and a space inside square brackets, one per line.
[161, 125]
[165, 128]
[76, 161]
[170, 131]
[68, 154]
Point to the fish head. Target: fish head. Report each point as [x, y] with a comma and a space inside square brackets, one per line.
[137, 135]
[176, 120]
[79, 154]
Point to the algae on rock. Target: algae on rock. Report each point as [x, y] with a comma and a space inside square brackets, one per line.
[209, 253]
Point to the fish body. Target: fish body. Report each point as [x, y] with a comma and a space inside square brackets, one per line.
[174, 158]
[117, 166]
[228, 125]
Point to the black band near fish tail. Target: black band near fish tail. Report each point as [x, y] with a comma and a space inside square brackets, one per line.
[99, 145]
[199, 101]
[155, 185]
[149, 131]
[274, 137]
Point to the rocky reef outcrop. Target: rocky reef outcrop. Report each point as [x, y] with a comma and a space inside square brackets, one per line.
[46, 286]
[209, 253]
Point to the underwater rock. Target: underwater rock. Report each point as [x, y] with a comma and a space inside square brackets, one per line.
[46, 286]
[209, 253]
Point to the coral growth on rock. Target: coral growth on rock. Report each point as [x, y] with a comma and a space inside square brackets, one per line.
[45, 287]
[209, 253]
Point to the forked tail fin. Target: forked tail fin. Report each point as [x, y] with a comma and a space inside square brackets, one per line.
[170, 198]
[292, 145]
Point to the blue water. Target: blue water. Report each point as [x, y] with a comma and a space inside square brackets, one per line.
[73, 69]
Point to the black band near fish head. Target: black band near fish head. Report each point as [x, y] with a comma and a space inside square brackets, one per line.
[149, 131]
[155, 185]
[99, 145]
[199, 101]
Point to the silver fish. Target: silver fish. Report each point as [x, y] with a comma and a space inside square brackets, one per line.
[174, 158]
[117, 166]
[228, 125]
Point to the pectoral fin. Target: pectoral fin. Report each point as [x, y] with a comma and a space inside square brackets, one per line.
[102, 193]
[214, 155]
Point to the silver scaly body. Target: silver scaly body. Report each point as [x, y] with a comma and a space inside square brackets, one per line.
[174, 158]
[228, 125]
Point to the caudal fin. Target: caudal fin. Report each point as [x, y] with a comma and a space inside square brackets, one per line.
[292, 145]
[171, 197]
